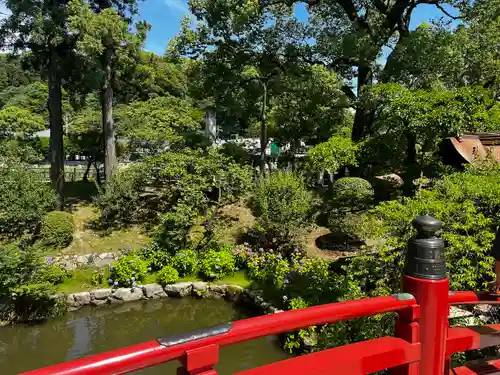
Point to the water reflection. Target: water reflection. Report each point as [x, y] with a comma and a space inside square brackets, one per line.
[95, 330]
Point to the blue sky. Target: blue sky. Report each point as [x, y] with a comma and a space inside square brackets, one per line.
[165, 17]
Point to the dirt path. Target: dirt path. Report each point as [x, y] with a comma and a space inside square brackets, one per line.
[329, 247]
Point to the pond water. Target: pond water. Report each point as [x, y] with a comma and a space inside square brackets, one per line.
[95, 330]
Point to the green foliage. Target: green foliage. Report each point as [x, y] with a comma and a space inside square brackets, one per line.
[185, 262]
[269, 267]
[159, 121]
[236, 152]
[217, 264]
[53, 274]
[333, 154]
[128, 270]
[24, 199]
[25, 284]
[19, 121]
[466, 231]
[283, 207]
[350, 194]
[120, 202]
[156, 256]
[185, 184]
[97, 277]
[57, 229]
[167, 275]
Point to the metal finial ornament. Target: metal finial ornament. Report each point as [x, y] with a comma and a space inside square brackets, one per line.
[425, 255]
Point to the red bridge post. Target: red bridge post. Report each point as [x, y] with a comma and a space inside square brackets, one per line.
[425, 278]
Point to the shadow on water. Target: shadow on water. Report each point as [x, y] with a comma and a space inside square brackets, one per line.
[95, 330]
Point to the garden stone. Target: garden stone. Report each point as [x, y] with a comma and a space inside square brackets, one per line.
[82, 259]
[70, 299]
[127, 294]
[234, 292]
[101, 294]
[179, 289]
[218, 291]
[98, 262]
[200, 286]
[98, 302]
[82, 298]
[153, 291]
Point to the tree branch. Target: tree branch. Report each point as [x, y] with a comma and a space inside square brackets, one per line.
[440, 7]
[348, 91]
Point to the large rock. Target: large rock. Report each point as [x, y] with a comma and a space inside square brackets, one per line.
[82, 259]
[234, 292]
[82, 298]
[98, 302]
[100, 294]
[179, 289]
[99, 262]
[128, 294]
[153, 291]
[218, 291]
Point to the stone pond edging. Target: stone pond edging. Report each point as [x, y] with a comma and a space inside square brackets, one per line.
[98, 297]
[71, 262]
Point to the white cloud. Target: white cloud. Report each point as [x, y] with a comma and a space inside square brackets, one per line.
[178, 5]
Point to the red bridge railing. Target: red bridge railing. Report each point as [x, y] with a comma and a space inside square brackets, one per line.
[423, 342]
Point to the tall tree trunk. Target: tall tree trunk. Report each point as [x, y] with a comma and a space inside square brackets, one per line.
[412, 168]
[107, 116]
[263, 130]
[56, 153]
[362, 117]
[86, 174]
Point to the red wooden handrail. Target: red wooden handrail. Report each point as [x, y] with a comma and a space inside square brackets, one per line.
[472, 298]
[423, 344]
[152, 353]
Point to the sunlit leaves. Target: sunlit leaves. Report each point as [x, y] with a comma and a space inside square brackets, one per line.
[15, 120]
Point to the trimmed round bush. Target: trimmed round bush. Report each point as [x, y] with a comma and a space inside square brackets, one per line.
[167, 275]
[57, 229]
[185, 262]
[217, 264]
[352, 192]
[128, 271]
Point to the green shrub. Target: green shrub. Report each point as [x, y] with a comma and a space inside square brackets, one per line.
[467, 234]
[120, 203]
[24, 199]
[284, 209]
[269, 267]
[23, 284]
[167, 275]
[217, 264]
[98, 277]
[53, 274]
[333, 154]
[352, 193]
[190, 182]
[128, 270]
[185, 262]
[57, 229]
[156, 256]
[236, 152]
